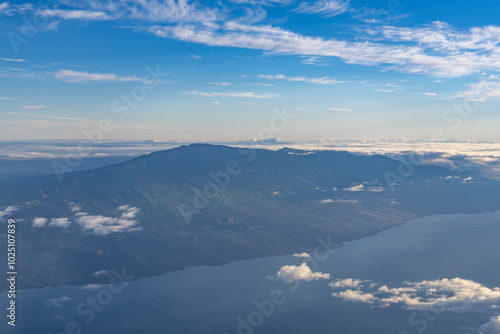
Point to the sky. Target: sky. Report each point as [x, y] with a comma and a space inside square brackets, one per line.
[228, 69]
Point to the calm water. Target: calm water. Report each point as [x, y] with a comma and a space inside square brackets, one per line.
[210, 299]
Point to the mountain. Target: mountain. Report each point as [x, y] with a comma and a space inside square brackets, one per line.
[208, 205]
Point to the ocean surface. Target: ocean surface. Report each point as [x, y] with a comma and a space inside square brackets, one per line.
[245, 297]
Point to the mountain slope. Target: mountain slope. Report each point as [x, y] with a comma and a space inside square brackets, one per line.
[205, 204]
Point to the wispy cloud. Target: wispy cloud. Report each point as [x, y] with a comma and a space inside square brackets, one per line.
[8, 98]
[223, 83]
[7, 211]
[14, 60]
[56, 301]
[319, 81]
[32, 106]
[230, 94]
[9, 9]
[51, 117]
[85, 77]
[263, 2]
[482, 91]
[341, 109]
[326, 8]
[435, 58]
[67, 14]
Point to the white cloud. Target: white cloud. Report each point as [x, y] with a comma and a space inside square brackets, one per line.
[326, 8]
[7, 98]
[157, 10]
[388, 50]
[263, 2]
[51, 117]
[491, 327]
[341, 109]
[223, 83]
[230, 94]
[305, 255]
[8, 210]
[11, 9]
[84, 77]
[39, 221]
[347, 283]
[293, 273]
[430, 94]
[60, 222]
[18, 60]
[73, 207]
[92, 286]
[100, 273]
[33, 107]
[482, 91]
[356, 296]
[329, 200]
[319, 81]
[453, 295]
[102, 225]
[364, 187]
[83, 15]
[57, 301]
[436, 49]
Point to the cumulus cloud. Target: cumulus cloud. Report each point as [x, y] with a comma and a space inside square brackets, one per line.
[39, 222]
[97, 224]
[102, 225]
[453, 295]
[291, 273]
[356, 296]
[491, 327]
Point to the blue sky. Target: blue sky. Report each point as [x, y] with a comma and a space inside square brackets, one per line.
[344, 69]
